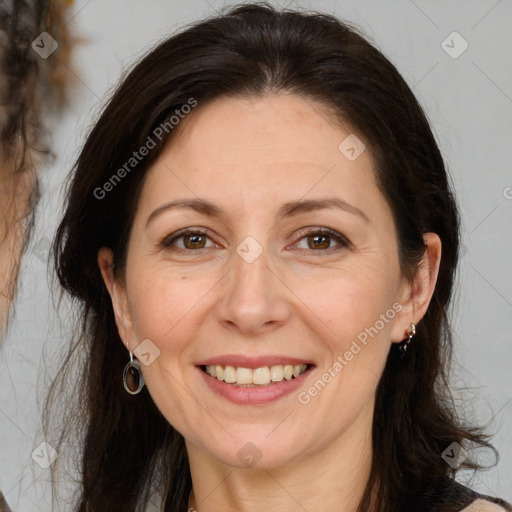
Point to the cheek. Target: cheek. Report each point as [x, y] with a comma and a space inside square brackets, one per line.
[164, 310]
[164, 307]
[168, 308]
[359, 310]
[169, 304]
[359, 313]
[350, 300]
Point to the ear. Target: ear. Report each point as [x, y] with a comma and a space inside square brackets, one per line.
[118, 296]
[415, 297]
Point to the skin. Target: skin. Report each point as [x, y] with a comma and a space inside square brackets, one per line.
[483, 506]
[15, 191]
[249, 156]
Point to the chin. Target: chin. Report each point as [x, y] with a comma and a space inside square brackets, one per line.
[258, 450]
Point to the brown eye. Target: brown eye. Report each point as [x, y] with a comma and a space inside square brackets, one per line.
[191, 239]
[194, 241]
[321, 241]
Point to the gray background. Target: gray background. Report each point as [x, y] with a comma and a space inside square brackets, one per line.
[468, 100]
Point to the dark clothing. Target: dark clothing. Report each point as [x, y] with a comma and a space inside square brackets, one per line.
[448, 495]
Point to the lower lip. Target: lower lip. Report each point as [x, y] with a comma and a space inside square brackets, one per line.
[255, 395]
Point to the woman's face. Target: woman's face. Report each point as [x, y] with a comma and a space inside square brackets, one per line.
[262, 286]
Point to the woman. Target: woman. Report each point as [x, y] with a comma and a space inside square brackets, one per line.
[262, 237]
[31, 88]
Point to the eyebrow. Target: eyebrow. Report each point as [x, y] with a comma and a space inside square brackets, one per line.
[287, 209]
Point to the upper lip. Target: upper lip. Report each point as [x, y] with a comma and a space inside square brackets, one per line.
[245, 361]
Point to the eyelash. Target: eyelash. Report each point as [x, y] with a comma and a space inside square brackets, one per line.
[170, 239]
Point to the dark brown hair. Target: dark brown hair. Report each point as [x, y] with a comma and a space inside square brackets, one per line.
[129, 449]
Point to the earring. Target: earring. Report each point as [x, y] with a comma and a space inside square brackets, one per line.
[402, 347]
[133, 381]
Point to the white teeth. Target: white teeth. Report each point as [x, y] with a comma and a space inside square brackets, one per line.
[259, 376]
[219, 372]
[244, 376]
[229, 374]
[276, 373]
[297, 370]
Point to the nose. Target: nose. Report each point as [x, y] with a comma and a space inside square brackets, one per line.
[254, 300]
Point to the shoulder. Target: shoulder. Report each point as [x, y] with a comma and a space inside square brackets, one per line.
[448, 495]
[483, 506]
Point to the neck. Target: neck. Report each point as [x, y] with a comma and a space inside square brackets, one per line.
[333, 478]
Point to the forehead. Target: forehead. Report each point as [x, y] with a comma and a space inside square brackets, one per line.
[275, 128]
[264, 149]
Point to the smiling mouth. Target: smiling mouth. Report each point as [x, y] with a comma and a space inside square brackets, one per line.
[257, 377]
